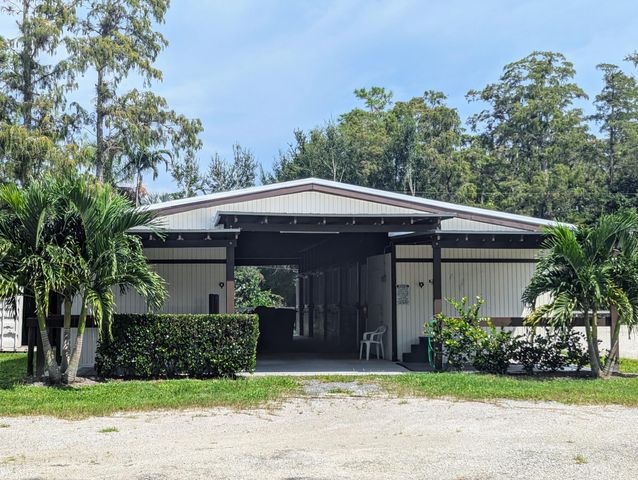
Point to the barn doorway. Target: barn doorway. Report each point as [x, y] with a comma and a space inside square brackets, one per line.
[331, 254]
[326, 312]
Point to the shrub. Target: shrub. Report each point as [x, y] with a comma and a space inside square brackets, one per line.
[465, 341]
[154, 346]
[459, 336]
[495, 352]
[553, 351]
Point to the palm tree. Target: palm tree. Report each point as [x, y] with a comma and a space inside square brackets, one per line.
[70, 236]
[588, 270]
[624, 271]
[139, 160]
[25, 240]
[110, 258]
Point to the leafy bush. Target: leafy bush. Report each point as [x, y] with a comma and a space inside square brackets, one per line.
[459, 336]
[495, 352]
[553, 351]
[153, 346]
[465, 341]
[250, 291]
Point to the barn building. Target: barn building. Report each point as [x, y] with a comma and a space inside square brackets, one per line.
[364, 257]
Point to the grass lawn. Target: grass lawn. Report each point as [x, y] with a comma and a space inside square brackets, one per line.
[16, 398]
[109, 397]
[469, 386]
[628, 365]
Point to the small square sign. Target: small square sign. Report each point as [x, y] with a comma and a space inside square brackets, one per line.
[403, 294]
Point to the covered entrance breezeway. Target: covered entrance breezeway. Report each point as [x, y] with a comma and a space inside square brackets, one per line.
[301, 364]
[338, 297]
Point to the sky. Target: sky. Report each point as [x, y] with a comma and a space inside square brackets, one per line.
[255, 70]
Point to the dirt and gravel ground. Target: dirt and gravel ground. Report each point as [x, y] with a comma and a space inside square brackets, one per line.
[332, 436]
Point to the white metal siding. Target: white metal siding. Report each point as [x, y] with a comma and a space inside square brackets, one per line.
[414, 251]
[473, 225]
[89, 347]
[188, 288]
[412, 317]
[499, 284]
[309, 203]
[302, 202]
[10, 325]
[490, 253]
[190, 253]
[188, 284]
[379, 297]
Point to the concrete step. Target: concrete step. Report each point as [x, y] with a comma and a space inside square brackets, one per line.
[418, 352]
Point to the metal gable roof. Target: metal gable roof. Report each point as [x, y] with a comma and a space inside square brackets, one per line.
[352, 191]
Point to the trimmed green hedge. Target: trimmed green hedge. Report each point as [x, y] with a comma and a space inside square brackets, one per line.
[160, 346]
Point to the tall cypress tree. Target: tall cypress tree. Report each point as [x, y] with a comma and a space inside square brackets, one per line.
[117, 38]
[35, 78]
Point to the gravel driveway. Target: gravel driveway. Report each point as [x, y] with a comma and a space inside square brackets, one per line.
[332, 437]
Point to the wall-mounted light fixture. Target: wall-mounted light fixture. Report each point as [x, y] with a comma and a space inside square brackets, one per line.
[221, 284]
[421, 284]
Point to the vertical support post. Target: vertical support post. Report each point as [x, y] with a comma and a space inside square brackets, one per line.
[39, 354]
[393, 287]
[437, 300]
[230, 279]
[31, 333]
[55, 338]
[358, 305]
[300, 302]
[325, 304]
[613, 311]
[311, 307]
[340, 283]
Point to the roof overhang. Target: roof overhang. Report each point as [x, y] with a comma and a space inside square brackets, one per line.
[338, 189]
[332, 223]
[187, 238]
[466, 239]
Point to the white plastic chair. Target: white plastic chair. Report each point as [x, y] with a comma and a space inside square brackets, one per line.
[373, 338]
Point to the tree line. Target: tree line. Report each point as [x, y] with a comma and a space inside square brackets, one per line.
[529, 149]
[120, 133]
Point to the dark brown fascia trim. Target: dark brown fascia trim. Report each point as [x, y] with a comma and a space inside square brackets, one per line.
[187, 243]
[468, 260]
[188, 261]
[261, 262]
[603, 321]
[370, 197]
[494, 240]
[57, 321]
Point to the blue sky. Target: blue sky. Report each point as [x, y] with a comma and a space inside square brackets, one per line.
[254, 70]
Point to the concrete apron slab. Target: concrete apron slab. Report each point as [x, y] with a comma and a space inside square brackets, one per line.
[303, 365]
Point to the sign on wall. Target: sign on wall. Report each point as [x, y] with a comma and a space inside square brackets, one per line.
[403, 294]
